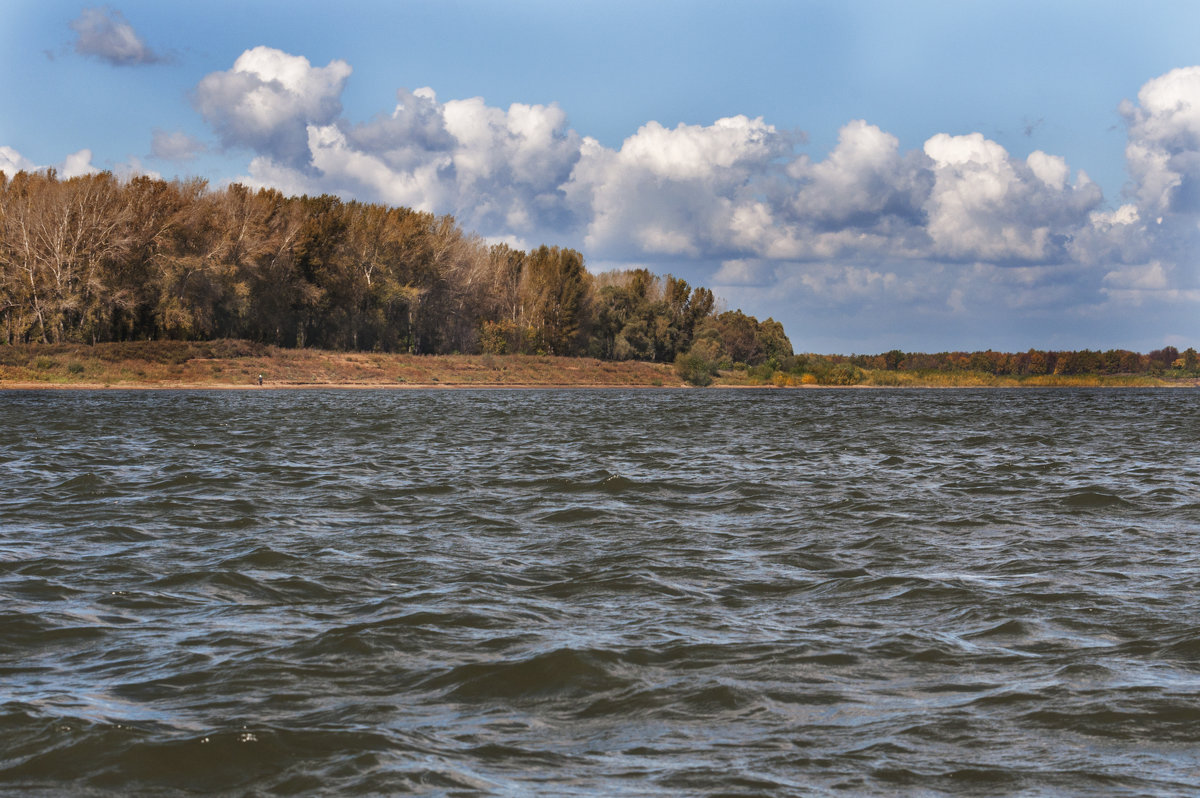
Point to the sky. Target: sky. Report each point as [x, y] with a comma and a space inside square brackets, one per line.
[926, 176]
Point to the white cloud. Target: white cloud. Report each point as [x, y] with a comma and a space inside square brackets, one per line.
[840, 284]
[695, 152]
[1145, 277]
[1050, 169]
[986, 206]
[134, 168]
[1154, 281]
[1125, 215]
[174, 145]
[499, 171]
[1155, 239]
[508, 165]
[1164, 142]
[77, 164]
[512, 242]
[864, 199]
[269, 98]
[723, 191]
[12, 162]
[104, 33]
[744, 271]
[864, 179]
[691, 190]
[266, 173]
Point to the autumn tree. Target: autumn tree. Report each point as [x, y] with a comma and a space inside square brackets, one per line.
[94, 259]
[556, 287]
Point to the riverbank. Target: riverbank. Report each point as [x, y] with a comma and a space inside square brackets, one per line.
[238, 364]
[232, 364]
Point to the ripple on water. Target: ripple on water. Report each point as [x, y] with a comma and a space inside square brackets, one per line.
[599, 592]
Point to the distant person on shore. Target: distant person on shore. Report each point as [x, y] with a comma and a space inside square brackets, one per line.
[260, 380]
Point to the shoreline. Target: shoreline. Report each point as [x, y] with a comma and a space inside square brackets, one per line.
[238, 365]
[23, 386]
[337, 386]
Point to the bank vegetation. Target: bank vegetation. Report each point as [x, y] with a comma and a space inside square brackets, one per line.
[94, 259]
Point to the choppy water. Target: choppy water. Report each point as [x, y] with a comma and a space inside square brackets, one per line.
[600, 592]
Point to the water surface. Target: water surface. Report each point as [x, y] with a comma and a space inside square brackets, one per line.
[600, 593]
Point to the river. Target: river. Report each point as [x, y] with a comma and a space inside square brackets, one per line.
[600, 593]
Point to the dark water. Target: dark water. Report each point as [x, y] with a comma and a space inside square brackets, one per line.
[600, 592]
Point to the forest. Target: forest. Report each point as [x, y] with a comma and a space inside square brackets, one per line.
[96, 259]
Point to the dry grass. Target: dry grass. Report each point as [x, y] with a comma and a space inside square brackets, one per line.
[231, 363]
[238, 363]
[978, 379]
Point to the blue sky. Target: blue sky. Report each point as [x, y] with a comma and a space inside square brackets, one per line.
[915, 175]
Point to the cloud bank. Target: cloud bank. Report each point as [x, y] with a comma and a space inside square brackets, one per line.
[867, 222]
[959, 233]
[104, 33]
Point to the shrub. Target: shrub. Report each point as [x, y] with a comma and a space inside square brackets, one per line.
[885, 378]
[694, 370]
[762, 373]
[844, 374]
[494, 336]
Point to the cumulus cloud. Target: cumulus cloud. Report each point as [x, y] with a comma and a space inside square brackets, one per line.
[1154, 239]
[500, 171]
[864, 197]
[839, 283]
[864, 180]
[687, 191]
[1164, 142]
[135, 168]
[1149, 282]
[518, 171]
[732, 189]
[77, 164]
[104, 33]
[269, 98]
[12, 162]
[174, 145]
[1144, 277]
[986, 205]
[744, 271]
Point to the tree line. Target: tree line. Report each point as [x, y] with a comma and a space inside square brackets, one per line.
[1035, 361]
[898, 368]
[96, 259]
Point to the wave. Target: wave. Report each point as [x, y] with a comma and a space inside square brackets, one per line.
[598, 593]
